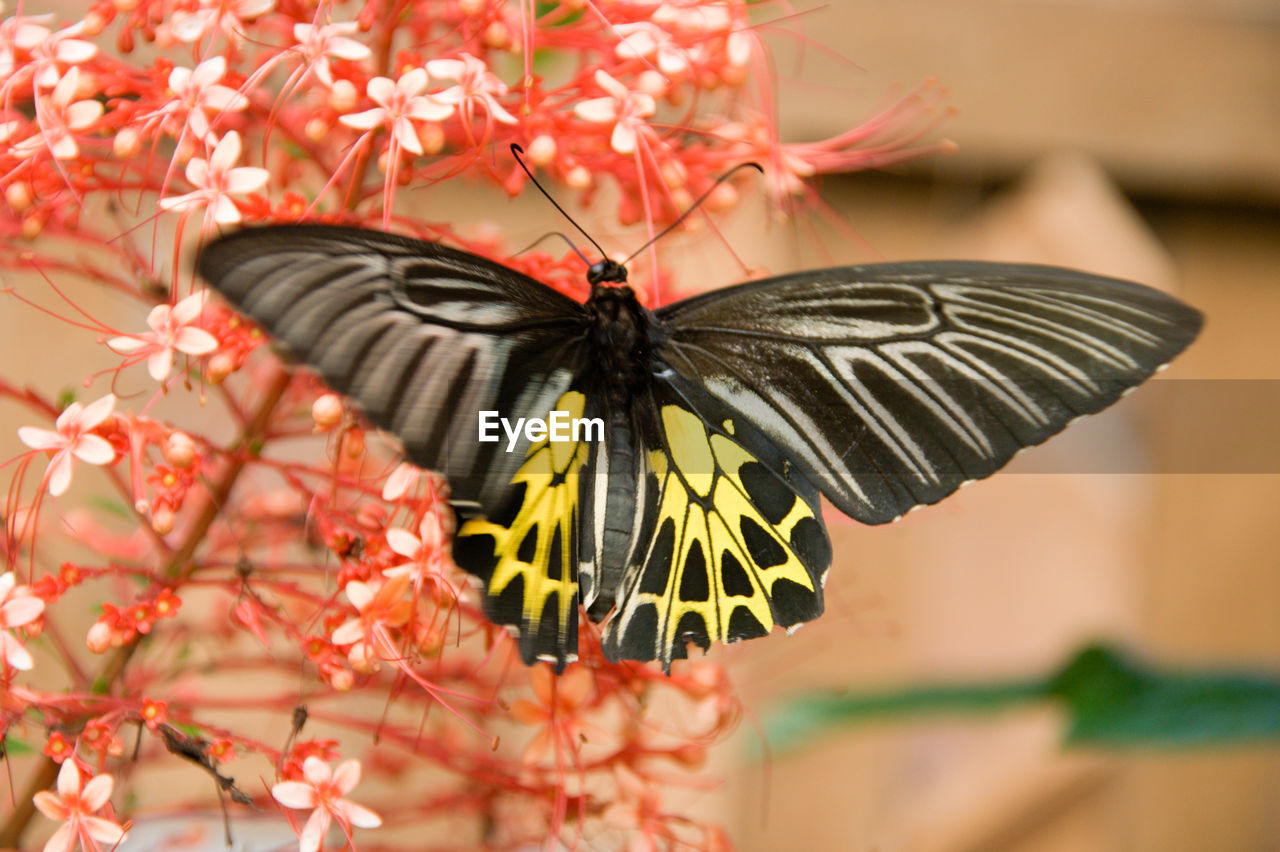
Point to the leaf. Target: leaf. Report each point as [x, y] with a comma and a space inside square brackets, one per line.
[1116, 702]
[14, 748]
[1111, 700]
[799, 720]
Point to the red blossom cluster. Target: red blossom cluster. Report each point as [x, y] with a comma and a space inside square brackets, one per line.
[270, 535]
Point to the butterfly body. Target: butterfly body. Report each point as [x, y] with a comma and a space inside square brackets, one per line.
[694, 515]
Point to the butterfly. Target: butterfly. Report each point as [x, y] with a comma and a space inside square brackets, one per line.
[687, 510]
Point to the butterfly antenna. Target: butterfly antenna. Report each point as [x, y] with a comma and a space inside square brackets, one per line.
[516, 151]
[692, 207]
[562, 236]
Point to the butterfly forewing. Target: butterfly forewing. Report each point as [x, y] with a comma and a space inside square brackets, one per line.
[891, 385]
[422, 336]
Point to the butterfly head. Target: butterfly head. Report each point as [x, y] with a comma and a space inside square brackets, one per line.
[606, 271]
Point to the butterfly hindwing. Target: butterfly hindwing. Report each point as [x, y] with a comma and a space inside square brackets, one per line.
[526, 554]
[732, 543]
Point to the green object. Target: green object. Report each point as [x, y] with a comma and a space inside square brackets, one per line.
[1111, 700]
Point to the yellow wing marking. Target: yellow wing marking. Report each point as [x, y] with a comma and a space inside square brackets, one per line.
[703, 466]
[550, 476]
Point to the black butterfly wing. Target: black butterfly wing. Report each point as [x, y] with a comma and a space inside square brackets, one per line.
[891, 385]
[732, 542]
[422, 336]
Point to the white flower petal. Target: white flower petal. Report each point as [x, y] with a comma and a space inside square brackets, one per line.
[207, 73]
[406, 135]
[347, 775]
[197, 171]
[412, 82]
[225, 153]
[449, 69]
[316, 770]
[360, 594]
[365, 120]
[349, 49]
[63, 840]
[20, 610]
[104, 830]
[623, 139]
[15, 654]
[94, 449]
[225, 211]
[83, 113]
[313, 832]
[97, 792]
[360, 816]
[294, 794]
[381, 89]
[598, 110]
[160, 362]
[97, 411]
[246, 179]
[195, 341]
[40, 439]
[189, 308]
[403, 542]
[68, 779]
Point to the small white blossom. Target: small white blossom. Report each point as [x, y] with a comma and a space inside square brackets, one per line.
[74, 805]
[400, 104]
[18, 606]
[171, 331]
[216, 180]
[71, 438]
[477, 86]
[625, 109]
[319, 43]
[322, 793]
[197, 97]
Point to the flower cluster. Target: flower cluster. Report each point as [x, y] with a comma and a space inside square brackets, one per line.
[265, 532]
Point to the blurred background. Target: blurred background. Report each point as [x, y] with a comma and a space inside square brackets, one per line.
[1137, 138]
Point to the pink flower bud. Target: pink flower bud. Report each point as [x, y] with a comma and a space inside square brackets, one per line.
[722, 197]
[341, 679]
[652, 83]
[343, 96]
[578, 178]
[180, 450]
[219, 367]
[542, 150]
[674, 173]
[362, 658]
[18, 194]
[126, 144]
[326, 411]
[496, 35]
[431, 135]
[316, 129]
[99, 637]
[162, 519]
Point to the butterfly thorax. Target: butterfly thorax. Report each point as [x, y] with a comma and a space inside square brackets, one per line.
[620, 332]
